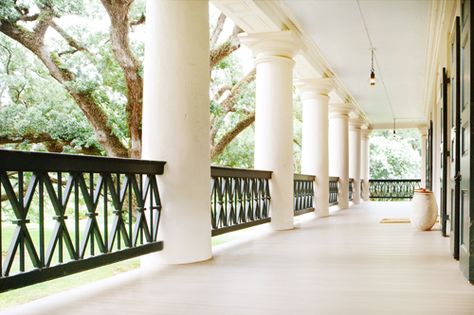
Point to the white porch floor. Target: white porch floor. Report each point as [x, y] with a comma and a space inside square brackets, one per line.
[348, 263]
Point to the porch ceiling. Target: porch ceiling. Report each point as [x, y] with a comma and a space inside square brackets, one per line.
[399, 33]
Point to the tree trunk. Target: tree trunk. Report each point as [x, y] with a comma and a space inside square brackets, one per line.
[33, 41]
[118, 13]
[231, 135]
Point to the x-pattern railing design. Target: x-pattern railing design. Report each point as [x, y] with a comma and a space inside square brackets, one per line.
[303, 193]
[333, 190]
[77, 191]
[393, 189]
[239, 199]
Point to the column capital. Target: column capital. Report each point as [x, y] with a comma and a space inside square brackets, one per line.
[365, 131]
[341, 110]
[355, 123]
[283, 44]
[314, 88]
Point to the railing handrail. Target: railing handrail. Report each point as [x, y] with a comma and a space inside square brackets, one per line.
[239, 172]
[333, 178]
[12, 160]
[396, 180]
[303, 177]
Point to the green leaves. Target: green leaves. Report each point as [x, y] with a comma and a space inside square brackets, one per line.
[396, 157]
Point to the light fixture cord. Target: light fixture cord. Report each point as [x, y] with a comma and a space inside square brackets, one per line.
[378, 65]
[372, 60]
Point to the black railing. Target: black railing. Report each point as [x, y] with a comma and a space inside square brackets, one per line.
[361, 189]
[303, 193]
[239, 199]
[351, 189]
[61, 214]
[393, 189]
[333, 190]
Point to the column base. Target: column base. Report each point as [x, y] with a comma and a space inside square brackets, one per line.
[157, 259]
[321, 213]
[282, 227]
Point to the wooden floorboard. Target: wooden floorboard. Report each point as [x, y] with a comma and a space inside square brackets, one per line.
[348, 263]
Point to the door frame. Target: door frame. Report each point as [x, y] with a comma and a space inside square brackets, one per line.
[455, 177]
[444, 152]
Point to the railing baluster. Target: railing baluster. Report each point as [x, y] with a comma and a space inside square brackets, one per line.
[130, 206]
[106, 214]
[1, 231]
[77, 233]
[392, 189]
[303, 193]
[41, 219]
[21, 239]
[333, 190]
[239, 199]
[90, 214]
[45, 189]
[60, 239]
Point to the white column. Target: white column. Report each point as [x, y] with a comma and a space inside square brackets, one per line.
[339, 149]
[274, 118]
[354, 157]
[314, 152]
[365, 160]
[176, 125]
[423, 133]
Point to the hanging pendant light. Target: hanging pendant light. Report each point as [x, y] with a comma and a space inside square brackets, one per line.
[372, 71]
[394, 132]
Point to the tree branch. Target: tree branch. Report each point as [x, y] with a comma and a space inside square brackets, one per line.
[24, 14]
[221, 91]
[9, 58]
[44, 21]
[51, 144]
[216, 32]
[228, 104]
[218, 53]
[295, 141]
[141, 20]
[69, 39]
[231, 135]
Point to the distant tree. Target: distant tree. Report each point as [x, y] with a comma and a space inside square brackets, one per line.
[395, 157]
[98, 71]
[62, 61]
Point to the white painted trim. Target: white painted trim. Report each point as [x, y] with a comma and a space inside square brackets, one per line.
[435, 30]
[270, 16]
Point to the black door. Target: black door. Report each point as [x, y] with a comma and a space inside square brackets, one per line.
[455, 168]
[444, 152]
[429, 158]
[466, 255]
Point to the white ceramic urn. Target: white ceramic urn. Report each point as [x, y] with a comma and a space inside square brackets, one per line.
[424, 211]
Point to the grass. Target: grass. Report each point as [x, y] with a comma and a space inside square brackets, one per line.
[40, 290]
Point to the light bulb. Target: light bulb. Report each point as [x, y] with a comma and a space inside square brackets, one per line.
[372, 78]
